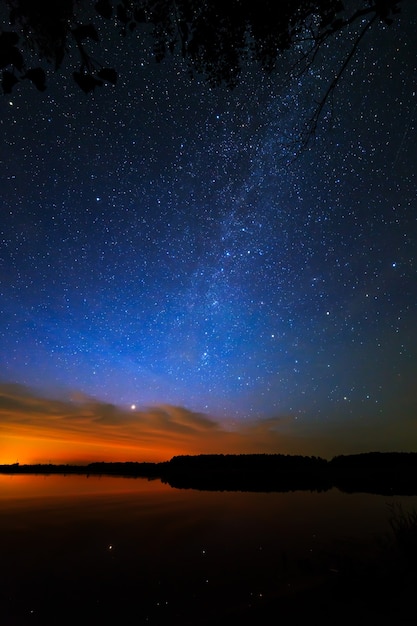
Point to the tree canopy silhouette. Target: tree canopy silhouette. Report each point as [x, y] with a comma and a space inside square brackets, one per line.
[215, 38]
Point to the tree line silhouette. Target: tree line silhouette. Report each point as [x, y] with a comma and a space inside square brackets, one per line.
[385, 473]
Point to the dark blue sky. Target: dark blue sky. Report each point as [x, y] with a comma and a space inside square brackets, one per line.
[160, 246]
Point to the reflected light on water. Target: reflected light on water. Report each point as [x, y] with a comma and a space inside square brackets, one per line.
[24, 486]
[113, 548]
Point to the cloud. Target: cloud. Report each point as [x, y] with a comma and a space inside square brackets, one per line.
[79, 429]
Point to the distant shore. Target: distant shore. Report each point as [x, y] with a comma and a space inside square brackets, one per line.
[384, 473]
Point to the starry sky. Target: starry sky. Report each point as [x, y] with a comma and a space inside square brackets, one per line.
[171, 260]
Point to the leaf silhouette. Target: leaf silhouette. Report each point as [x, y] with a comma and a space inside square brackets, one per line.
[38, 77]
[9, 54]
[87, 82]
[85, 31]
[108, 74]
[104, 8]
[8, 81]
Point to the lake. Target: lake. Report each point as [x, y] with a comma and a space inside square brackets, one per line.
[87, 550]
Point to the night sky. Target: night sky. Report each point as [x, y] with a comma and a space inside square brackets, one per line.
[171, 261]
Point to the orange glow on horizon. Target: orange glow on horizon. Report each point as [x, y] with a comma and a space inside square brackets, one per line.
[34, 429]
[43, 430]
[33, 450]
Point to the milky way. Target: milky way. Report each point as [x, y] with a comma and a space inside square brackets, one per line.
[164, 242]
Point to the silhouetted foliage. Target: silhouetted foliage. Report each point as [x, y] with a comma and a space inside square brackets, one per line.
[404, 527]
[248, 472]
[216, 38]
[132, 469]
[385, 473]
[375, 460]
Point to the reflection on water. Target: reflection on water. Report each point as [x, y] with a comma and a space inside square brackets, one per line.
[84, 550]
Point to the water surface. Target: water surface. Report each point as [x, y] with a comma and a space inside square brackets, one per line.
[137, 551]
